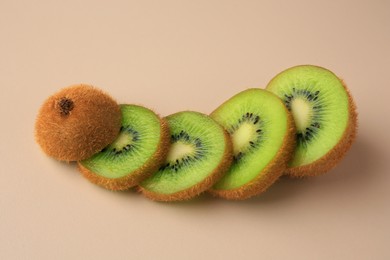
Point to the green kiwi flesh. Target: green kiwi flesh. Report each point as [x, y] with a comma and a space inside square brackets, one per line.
[324, 114]
[200, 154]
[262, 133]
[138, 151]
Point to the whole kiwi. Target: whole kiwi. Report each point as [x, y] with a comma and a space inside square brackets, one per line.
[77, 122]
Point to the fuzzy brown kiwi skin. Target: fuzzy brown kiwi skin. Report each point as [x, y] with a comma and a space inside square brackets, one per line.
[142, 173]
[77, 122]
[271, 173]
[334, 156]
[206, 184]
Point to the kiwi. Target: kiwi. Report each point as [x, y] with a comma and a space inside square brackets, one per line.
[139, 150]
[200, 154]
[324, 114]
[262, 131]
[77, 122]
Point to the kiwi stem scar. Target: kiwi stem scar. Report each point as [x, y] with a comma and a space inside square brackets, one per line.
[65, 105]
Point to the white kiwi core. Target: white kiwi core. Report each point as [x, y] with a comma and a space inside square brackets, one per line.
[179, 150]
[242, 136]
[302, 113]
[122, 140]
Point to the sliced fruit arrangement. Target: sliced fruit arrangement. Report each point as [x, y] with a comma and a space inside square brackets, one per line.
[262, 131]
[200, 154]
[324, 114]
[302, 125]
[138, 151]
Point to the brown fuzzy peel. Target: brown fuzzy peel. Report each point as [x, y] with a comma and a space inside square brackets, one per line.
[77, 122]
[135, 177]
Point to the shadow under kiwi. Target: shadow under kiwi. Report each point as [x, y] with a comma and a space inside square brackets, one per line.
[133, 192]
[355, 170]
[361, 165]
[70, 167]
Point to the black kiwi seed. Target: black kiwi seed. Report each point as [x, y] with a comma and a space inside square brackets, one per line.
[238, 156]
[317, 125]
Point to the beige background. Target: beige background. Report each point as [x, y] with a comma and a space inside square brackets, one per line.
[190, 55]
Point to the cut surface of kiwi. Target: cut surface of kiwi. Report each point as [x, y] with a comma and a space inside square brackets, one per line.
[138, 151]
[77, 122]
[324, 114]
[262, 133]
[200, 154]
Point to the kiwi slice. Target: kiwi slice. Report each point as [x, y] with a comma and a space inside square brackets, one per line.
[139, 150]
[200, 154]
[262, 132]
[324, 114]
[77, 122]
